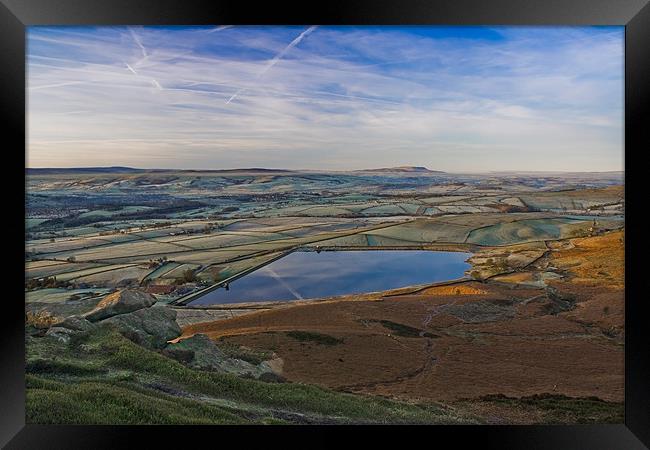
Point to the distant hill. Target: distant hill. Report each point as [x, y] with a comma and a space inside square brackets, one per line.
[249, 170]
[55, 170]
[401, 169]
[127, 170]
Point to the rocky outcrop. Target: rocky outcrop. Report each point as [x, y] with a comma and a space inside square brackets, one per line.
[76, 323]
[134, 315]
[199, 352]
[68, 327]
[120, 302]
[151, 327]
[62, 334]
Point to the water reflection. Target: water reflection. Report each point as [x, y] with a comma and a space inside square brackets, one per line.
[305, 275]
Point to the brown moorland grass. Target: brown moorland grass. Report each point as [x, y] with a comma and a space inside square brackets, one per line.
[595, 260]
[492, 338]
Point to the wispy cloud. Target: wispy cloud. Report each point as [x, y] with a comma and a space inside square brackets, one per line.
[56, 85]
[153, 81]
[131, 69]
[345, 98]
[138, 42]
[219, 28]
[277, 58]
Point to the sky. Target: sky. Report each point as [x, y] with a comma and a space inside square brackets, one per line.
[457, 99]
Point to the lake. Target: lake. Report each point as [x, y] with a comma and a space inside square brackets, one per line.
[305, 275]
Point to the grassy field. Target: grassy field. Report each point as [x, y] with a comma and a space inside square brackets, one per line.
[547, 409]
[103, 378]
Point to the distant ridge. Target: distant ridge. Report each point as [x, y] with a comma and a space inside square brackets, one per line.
[261, 170]
[402, 169]
[120, 169]
[55, 170]
[248, 170]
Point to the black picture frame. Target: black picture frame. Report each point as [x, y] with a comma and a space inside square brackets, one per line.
[15, 15]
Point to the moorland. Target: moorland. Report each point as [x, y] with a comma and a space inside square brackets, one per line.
[116, 259]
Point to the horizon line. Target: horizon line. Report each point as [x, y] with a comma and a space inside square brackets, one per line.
[321, 170]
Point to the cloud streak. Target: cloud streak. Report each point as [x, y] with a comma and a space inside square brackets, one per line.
[345, 98]
[153, 81]
[277, 58]
[219, 28]
[138, 42]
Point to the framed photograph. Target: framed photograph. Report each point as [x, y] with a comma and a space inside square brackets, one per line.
[277, 219]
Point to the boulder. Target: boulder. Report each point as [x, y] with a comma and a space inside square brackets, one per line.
[197, 351]
[68, 327]
[272, 377]
[46, 315]
[151, 327]
[205, 355]
[61, 334]
[76, 323]
[120, 302]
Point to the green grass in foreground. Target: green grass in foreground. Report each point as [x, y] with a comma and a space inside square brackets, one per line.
[112, 402]
[251, 355]
[103, 378]
[559, 409]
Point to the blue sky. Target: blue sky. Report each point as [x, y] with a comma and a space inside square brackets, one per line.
[459, 99]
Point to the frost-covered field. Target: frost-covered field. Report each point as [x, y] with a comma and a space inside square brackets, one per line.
[192, 229]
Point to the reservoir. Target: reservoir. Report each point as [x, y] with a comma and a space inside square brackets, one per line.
[303, 275]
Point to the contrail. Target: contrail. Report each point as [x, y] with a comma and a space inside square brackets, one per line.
[293, 43]
[131, 69]
[356, 97]
[138, 42]
[156, 84]
[283, 283]
[151, 80]
[234, 96]
[277, 58]
[219, 28]
[145, 56]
